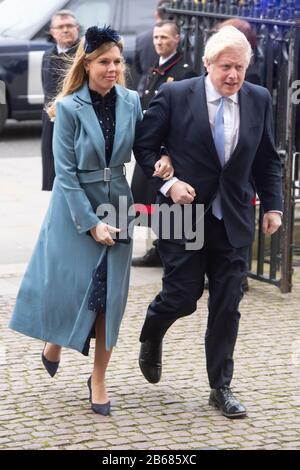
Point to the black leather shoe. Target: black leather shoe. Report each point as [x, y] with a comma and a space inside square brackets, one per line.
[150, 260]
[223, 399]
[101, 409]
[150, 361]
[50, 366]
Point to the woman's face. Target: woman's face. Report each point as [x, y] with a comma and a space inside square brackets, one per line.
[104, 71]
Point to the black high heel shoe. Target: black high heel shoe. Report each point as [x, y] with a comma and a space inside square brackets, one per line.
[100, 409]
[50, 366]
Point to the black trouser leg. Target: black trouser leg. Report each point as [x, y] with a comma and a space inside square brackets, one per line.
[226, 268]
[183, 283]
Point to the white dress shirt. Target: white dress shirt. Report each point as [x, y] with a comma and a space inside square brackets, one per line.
[231, 116]
[163, 60]
[60, 50]
[231, 122]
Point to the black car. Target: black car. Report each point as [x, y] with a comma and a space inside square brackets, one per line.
[24, 26]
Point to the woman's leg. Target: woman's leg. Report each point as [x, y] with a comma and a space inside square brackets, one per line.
[101, 360]
[52, 352]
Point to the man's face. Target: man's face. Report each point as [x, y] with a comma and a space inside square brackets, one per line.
[227, 72]
[165, 40]
[64, 30]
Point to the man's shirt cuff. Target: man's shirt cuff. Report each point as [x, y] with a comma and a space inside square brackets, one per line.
[167, 186]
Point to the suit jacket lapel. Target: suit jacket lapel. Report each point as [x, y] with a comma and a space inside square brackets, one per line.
[198, 106]
[90, 122]
[247, 120]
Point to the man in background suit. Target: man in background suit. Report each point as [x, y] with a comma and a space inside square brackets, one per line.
[218, 131]
[64, 30]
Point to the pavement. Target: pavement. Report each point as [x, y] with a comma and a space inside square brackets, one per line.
[37, 412]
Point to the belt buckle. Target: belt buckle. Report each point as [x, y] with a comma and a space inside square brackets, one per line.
[107, 174]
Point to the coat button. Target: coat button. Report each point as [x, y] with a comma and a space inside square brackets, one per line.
[78, 227]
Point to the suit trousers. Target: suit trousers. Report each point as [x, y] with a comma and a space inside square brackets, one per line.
[183, 284]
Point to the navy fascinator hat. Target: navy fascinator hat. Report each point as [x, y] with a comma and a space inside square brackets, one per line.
[95, 37]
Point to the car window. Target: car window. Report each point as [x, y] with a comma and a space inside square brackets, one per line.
[91, 12]
[137, 15]
[17, 22]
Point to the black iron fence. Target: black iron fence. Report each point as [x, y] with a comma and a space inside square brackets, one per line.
[276, 24]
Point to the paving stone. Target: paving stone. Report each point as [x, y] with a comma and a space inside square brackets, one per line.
[39, 413]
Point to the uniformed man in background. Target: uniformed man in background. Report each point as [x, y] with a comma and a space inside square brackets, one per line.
[170, 67]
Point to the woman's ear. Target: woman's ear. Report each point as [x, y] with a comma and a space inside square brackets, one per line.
[86, 67]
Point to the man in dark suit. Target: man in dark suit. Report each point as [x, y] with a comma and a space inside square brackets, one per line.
[218, 131]
[170, 66]
[64, 30]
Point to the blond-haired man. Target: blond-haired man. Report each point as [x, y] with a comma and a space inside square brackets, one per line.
[218, 131]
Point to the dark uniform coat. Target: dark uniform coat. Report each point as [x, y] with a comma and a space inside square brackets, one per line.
[53, 69]
[175, 69]
[145, 57]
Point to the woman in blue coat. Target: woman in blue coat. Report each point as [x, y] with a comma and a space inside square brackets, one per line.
[76, 283]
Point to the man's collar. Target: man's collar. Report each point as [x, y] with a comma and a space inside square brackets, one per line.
[63, 50]
[213, 95]
[60, 50]
[163, 61]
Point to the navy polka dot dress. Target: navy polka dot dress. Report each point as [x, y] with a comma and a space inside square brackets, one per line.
[105, 109]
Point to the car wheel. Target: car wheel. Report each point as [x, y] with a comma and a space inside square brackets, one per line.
[3, 116]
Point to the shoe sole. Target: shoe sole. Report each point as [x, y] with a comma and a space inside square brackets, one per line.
[141, 364]
[216, 405]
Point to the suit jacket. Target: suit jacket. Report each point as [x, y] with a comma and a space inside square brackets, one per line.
[175, 69]
[53, 68]
[145, 57]
[178, 116]
[52, 303]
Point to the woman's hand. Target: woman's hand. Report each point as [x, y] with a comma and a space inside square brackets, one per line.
[164, 168]
[101, 233]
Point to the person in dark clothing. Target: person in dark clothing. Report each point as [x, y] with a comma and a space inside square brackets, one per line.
[218, 130]
[145, 53]
[170, 67]
[253, 75]
[65, 32]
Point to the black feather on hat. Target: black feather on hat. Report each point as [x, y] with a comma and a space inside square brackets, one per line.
[95, 37]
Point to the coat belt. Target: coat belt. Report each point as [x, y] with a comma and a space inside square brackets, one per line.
[107, 174]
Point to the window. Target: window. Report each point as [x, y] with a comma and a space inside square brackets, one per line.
[91, 12]
[15, 21]
[137, 15]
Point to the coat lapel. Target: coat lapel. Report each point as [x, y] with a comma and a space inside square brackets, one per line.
[91, 125]
[198, 106]
[124, 110]
[90, 122]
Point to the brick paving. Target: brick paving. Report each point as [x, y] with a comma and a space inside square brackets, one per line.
[37, 412]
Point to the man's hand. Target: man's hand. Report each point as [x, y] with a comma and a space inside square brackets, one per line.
[182, 193]
[164, 168]
[271, 222]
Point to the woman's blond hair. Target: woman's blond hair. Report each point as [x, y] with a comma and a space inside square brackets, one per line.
[76, 74]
